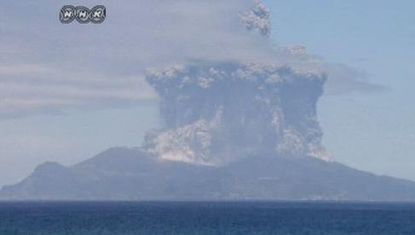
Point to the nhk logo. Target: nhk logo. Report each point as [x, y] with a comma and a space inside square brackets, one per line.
[82, 14]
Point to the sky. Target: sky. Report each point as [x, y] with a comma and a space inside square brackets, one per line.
[69, 92]
[369, 131]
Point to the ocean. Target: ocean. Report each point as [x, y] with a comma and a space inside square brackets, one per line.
[280, 218]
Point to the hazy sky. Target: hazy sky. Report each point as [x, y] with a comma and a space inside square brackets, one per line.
[372, 131]
[56, 68]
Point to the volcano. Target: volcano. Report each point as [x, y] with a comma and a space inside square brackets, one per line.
[231, 131]
[132, 174]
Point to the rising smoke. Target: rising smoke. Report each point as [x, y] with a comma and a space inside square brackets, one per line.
[218, 112]
[214, 114]
[258, 18]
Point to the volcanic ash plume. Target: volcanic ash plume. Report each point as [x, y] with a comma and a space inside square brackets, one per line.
[258, 18]
[217, 113]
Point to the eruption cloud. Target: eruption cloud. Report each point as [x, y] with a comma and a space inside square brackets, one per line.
[218, 113]
[258, 18]
[215, 113]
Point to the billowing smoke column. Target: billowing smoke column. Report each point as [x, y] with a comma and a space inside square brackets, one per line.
[219, 113]
[258, 18]
[216, 113]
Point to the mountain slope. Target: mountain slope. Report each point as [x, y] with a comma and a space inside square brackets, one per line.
[131, 174]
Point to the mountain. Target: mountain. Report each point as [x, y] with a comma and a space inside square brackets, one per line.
[133, 174]
[231, 131]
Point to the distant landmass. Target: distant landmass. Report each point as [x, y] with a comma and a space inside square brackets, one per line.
[231, 132]
[132, 174]
[231, 129]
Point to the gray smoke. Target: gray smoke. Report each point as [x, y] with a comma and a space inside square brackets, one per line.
[217, 113]
[258, 18]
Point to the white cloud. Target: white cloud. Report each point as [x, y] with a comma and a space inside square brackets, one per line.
[29, 87]
[47, 65]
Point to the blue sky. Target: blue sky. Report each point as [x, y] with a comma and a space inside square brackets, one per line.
[372, 131]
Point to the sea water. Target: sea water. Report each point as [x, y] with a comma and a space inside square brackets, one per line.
[283, 218]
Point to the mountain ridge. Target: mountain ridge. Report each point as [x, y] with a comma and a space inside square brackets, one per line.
[134, 174]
